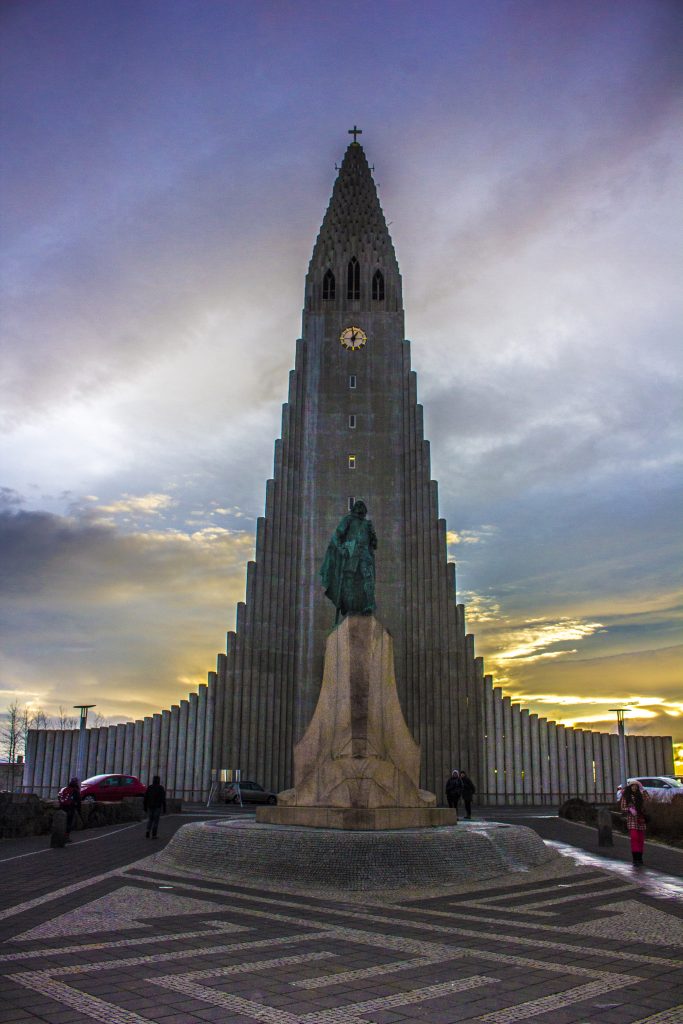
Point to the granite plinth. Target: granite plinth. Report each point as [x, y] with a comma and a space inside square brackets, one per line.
[334, 860]
[358, 818]
[357, 752]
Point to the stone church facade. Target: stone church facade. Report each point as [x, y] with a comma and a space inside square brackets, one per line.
[352, 428]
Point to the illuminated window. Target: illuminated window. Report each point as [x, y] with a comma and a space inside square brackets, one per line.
[352, 461]
[378, 286]
[352, 422]
[352, 381]
[328, 285]
[353, 279]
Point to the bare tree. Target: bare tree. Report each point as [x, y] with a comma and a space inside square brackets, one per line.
[64, 720]
[11, 732]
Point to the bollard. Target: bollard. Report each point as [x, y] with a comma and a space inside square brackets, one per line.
[605, 827]
[58, 835]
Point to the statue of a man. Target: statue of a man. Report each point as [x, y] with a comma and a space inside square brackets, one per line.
[348, 572]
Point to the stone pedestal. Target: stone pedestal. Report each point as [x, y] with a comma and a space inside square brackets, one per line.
[357, 765]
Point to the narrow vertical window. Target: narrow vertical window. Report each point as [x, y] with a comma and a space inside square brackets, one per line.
[352, 422]
[378, 286]
[352, 382]
[352, 502]
[352, 461]
[328, 285]
[353, 280]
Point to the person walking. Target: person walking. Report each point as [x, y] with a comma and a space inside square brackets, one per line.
[633, 804]
[155, 805]
[70, 803]
[453, 789]
[468, 792]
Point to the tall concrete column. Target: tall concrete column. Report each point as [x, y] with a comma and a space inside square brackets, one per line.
[163, 746]
[544, 756]
[608, 785]
[599, 768]
[47, 784]
[572, 774]
[209, 733]
[490, 785]
[198, 774]
[632, 757]
[615, 756]
[128, 740]
[536, 787]
[137, 748]
[110, 764]
[508, 752]
[580, 763]
[190, 746]
[146, 744]
[500, 748]
[528, 780]
[173, 750]
[182, 747]
[554, 763]
[56, 768]
[100, 758]
[588, 762]
[563, 775]
[643, 768]
[118, 747]
[155, 746]
[30, 756]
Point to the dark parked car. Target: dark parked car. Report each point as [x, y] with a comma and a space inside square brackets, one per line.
[252, 793]
[111, 788]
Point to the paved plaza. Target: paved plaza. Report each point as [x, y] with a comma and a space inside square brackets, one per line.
[102, 931]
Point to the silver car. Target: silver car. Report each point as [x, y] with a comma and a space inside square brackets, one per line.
[657, 787]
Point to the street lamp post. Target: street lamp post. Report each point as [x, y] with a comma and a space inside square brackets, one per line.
[621, 729]
[80, 762]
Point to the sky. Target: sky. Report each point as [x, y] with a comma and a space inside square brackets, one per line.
[165, 169]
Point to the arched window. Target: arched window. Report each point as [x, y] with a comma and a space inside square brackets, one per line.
[378, 285]
[353, 279]
[328, 285]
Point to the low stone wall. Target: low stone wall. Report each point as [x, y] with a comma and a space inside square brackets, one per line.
[25, 814]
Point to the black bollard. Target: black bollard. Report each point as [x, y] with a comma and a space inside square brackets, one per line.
[58, 835]
[605, 827]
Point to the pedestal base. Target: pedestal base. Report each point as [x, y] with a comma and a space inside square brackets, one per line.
[358, 819]
[295, 858]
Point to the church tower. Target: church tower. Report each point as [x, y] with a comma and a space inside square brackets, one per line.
[351, 429]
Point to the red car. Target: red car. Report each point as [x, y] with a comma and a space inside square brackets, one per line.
[111, 787]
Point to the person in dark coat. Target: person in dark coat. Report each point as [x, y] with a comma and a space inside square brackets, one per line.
[468, 792]
[70, 802]
[155, 806]
[453, 789]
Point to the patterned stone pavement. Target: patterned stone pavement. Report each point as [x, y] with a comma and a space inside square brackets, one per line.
[108, 934]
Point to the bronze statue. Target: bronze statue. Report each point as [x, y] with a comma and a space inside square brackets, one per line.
[348, 572]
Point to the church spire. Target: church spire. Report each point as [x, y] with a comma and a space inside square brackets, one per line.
[353, 229]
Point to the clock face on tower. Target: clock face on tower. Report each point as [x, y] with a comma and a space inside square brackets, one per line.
[353, 337]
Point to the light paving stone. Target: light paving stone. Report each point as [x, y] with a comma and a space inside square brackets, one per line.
[127, 907]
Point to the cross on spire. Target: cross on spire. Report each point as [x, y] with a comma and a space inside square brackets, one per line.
[355, 131]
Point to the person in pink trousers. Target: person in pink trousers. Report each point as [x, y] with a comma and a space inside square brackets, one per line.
[633, 804]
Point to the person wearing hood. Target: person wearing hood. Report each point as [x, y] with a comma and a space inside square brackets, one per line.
[453, 789]
[633, 805]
